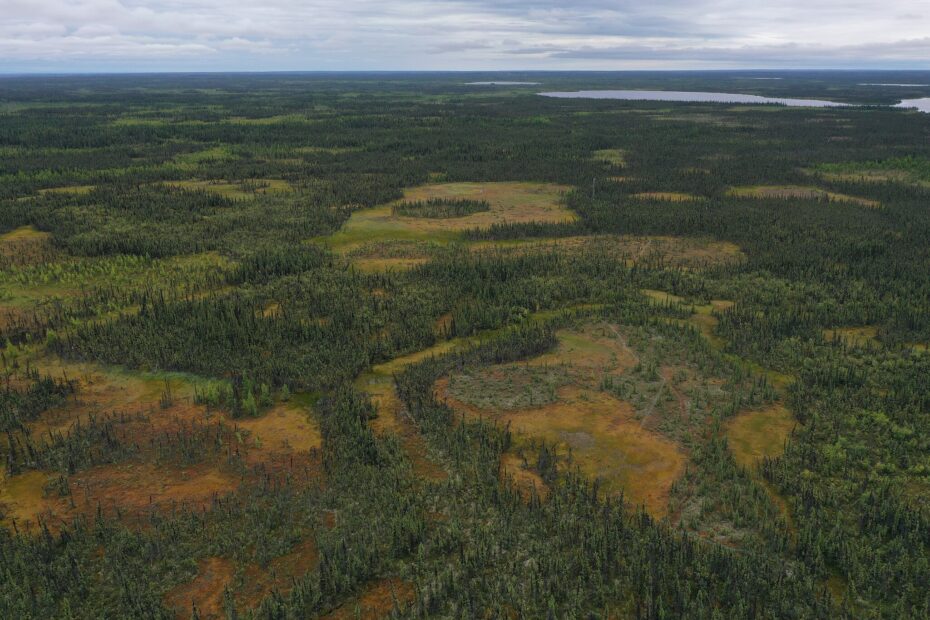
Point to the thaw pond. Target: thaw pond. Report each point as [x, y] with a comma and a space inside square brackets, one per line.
[701, 97]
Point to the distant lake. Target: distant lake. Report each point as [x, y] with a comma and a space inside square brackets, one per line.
[701, 97]
[501, 83]
[922, 105]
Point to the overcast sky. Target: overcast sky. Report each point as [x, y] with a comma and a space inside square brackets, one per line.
[147, 35]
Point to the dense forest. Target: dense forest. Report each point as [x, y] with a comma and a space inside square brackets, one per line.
[397, 346]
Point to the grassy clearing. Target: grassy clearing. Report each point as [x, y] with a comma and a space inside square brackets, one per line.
[238, 190]
[204, 592]
[687, 252]
[24, 247]
[521, 474]
[788, 192]
[249, 584]
[384, 265]
[557, 398]
[43, 277]
[863, 336]
[69, 189]
[285, 429]
[152, 407]
[604, 439]
[509, 202]
[908, 170]
[391, 418]
[706, 323]
[130, 488]
[616, 157]
[756, 434]
[329, 150]
[139, 121]
[269, 120]
[216, 154]
[702, 315]
[667, 196]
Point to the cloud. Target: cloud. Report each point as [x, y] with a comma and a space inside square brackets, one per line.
[460, 34]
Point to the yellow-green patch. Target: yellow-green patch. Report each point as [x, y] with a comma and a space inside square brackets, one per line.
[238, 190]
[866, 335]
[213, 154]
[68, 189]
[788, 192]
[617, 157]
[510, 203]
[757, 434]
[667, 196]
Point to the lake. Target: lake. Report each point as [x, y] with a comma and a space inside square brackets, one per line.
[922, 104]
[700, 97]
[501, 83]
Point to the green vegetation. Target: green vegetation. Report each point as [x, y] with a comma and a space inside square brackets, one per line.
[292, 346]
[441, 208]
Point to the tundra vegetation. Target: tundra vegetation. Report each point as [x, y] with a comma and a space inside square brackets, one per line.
[396, 347]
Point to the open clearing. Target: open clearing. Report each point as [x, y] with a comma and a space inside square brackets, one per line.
[68, 189]
[617, 157]
[25, 246]
[238, 190]
[384, 265]
[35, 278]
[756, 434]
[690, 252]
[864, 336]
[286, 438]
[788, 192]
[667, 196]
[510, 203]
[908, 170]
[206, 591]
[392, 419]
[556, 398]
[702, 315]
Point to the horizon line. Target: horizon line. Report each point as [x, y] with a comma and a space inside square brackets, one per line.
[104, 72]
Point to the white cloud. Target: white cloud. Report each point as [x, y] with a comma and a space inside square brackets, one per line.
[461, 34]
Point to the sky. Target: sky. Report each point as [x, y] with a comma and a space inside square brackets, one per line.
[337, 35]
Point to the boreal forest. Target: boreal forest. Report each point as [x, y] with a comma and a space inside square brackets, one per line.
[286, 346]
